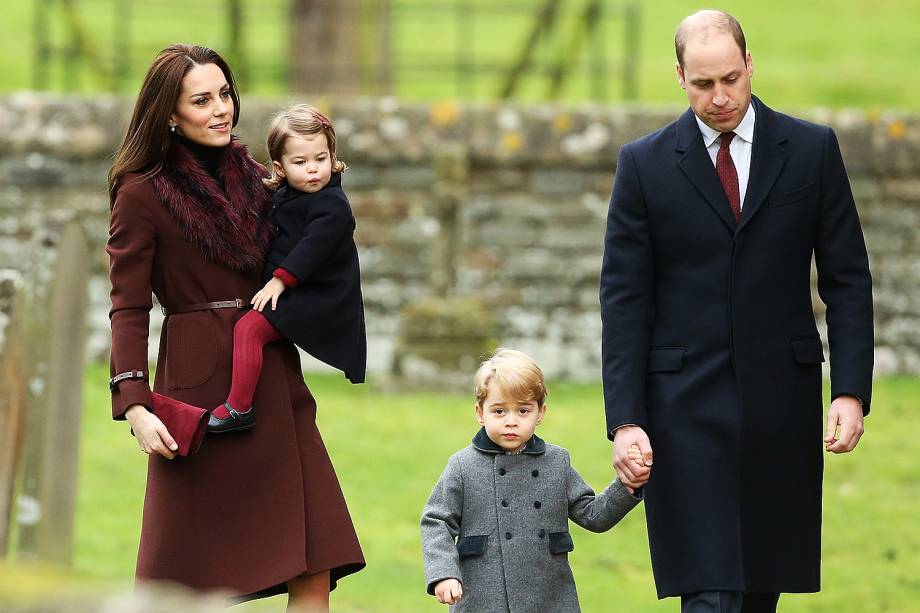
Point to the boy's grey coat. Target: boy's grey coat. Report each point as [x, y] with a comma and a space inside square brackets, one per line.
[509, 515]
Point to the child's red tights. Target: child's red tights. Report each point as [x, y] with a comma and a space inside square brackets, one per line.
[250, 334]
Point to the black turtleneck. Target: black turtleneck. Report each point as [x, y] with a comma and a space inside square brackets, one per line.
[208, 157]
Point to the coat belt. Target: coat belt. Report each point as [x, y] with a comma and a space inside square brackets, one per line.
[237, 303]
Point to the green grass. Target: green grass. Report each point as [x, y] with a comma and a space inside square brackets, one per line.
[389, 449]
[824, 52]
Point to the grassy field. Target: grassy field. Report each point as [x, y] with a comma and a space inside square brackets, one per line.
[389, 450]
[824, 52]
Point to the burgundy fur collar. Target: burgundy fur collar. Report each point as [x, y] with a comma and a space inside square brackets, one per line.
[231, 228]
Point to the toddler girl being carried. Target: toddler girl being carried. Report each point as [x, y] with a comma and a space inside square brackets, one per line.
[313, 293]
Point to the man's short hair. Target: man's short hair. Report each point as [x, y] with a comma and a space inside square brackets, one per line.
[721, 22]
[515, 373]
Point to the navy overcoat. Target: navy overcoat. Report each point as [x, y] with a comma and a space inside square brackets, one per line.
[324, 313]
[710, 344]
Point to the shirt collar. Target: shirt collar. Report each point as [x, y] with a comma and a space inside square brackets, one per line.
[745, 129]
[482, 442]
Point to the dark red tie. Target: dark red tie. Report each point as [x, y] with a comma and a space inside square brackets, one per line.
[728, 175]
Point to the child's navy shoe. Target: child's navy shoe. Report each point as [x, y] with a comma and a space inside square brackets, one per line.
[236, 421]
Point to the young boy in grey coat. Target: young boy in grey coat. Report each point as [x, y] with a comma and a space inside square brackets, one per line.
[506, 499]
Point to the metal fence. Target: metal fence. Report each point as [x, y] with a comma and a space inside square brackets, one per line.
[414, 49]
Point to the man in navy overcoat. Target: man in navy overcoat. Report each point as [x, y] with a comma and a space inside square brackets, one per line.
[711, 355]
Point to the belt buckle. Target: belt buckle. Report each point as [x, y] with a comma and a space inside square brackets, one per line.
[239, 303]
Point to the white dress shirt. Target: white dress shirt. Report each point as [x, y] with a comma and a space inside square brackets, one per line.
[740, 147]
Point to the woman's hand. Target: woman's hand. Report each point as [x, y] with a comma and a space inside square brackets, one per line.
[150, 432]
[271, 291]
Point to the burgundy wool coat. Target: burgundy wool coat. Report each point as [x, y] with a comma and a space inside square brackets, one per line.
[250, 510]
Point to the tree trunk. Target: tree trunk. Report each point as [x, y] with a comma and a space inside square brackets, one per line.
[339, 46]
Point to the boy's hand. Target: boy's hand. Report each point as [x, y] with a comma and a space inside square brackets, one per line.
[448, 591]
[632, 474]
[270, 292]
[636, 455]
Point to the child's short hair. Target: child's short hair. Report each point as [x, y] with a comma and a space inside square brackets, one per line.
[515, 372]
[298, 120]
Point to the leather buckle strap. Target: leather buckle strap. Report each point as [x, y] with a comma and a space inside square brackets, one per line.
[233, 412]
[131, 374]
[237, 303]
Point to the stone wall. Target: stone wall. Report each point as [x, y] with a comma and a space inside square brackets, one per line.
[505, 205]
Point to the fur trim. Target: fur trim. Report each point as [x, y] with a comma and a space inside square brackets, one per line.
[231, 227]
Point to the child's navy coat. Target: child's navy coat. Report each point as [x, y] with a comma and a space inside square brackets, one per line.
[324, 313]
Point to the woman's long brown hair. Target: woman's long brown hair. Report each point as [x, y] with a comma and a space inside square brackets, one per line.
[147, 140]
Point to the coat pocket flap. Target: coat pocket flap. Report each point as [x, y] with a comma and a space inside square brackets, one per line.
[470, 546]
[793, 196]
[560, 542]
[808, 350]
[665, 359]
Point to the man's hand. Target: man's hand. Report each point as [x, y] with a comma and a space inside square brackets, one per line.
[632, 473]
[448, 591]
[845, 414]
[270, 292]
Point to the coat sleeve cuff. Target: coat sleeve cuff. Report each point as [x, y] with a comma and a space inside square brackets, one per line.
[432, 583]
[620, 493]
[129, 393]
[613, 431]
[862, 402]
[286, 276]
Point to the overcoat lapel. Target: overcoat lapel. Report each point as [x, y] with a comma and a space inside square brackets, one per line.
[697, 165]
[767, 160]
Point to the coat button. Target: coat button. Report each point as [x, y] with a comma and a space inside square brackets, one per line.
[504, 503]
[541, 533]
[535, 473]
[501, 471]
[537, 504]
[507, 536]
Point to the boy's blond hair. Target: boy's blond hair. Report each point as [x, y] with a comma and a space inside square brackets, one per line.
[298, 120]
[515, 373]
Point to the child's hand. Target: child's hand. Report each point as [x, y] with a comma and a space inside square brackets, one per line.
[448, 591]
[270, 292]
[635, 455]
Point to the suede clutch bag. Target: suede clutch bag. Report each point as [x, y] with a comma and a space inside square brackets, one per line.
[186, 423]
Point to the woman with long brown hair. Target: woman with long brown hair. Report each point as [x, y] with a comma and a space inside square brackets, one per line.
[258, 512]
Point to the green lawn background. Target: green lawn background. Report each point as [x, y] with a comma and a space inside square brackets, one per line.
[389, 449]
[859, 53]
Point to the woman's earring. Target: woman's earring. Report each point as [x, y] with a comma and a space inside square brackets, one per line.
[172, 127]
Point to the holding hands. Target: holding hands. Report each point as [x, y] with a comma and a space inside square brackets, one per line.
[274, 288]
[632, 456]
[636, 456]
[448, 591]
